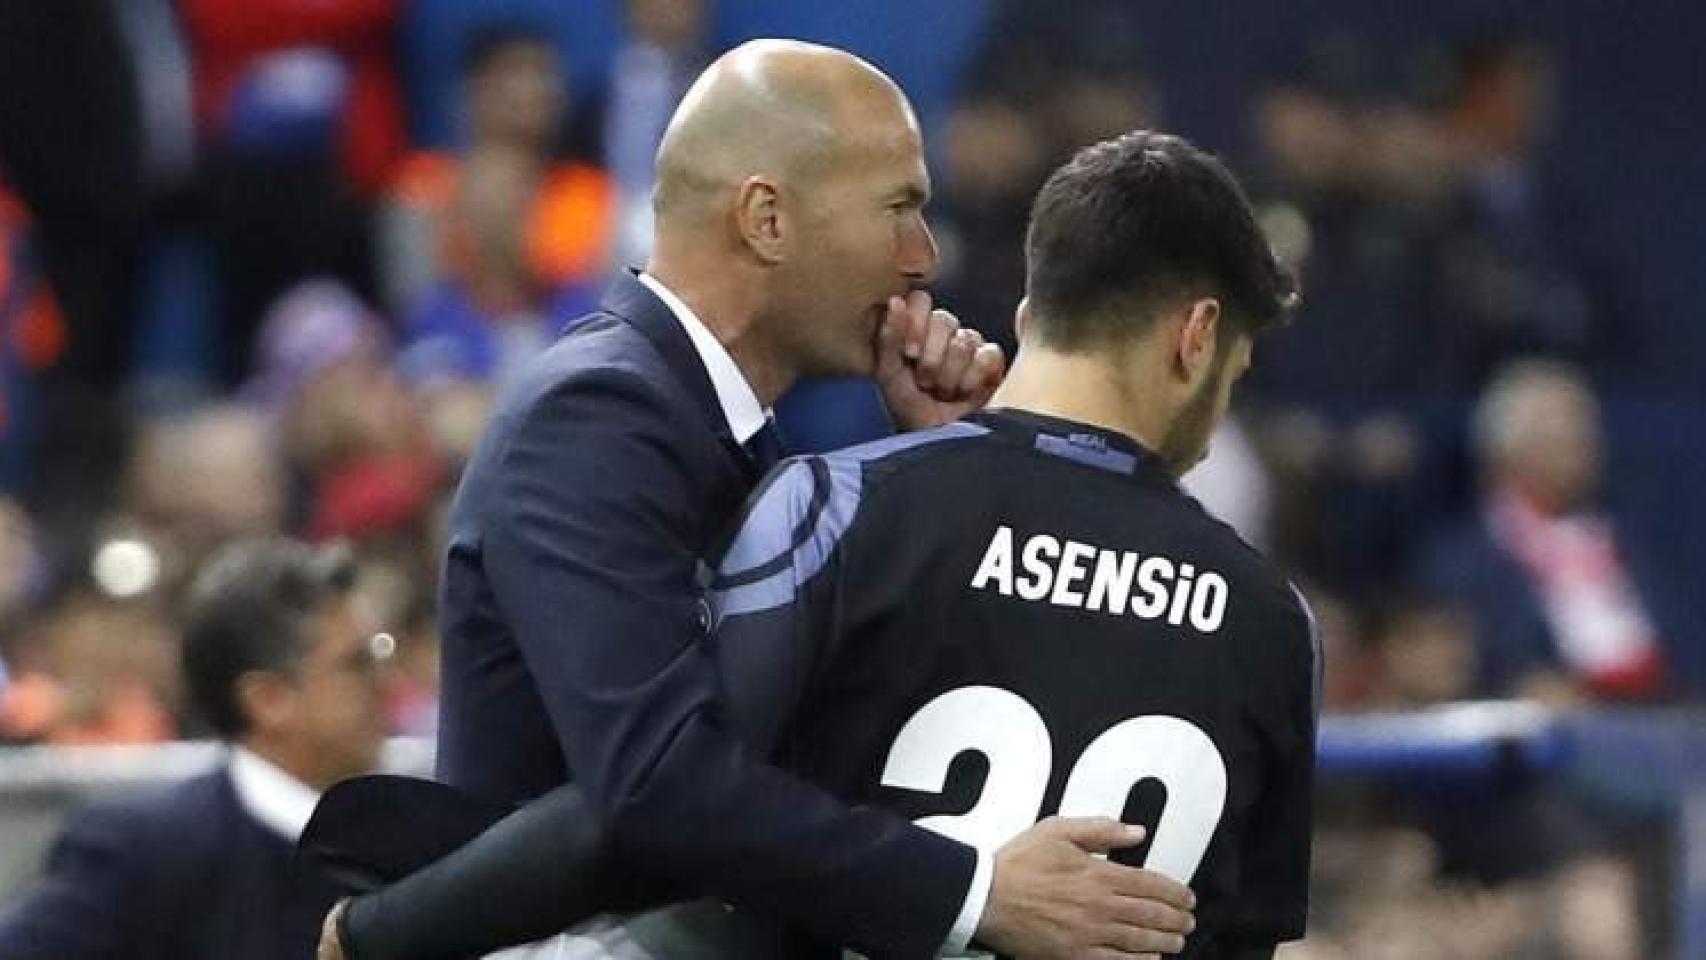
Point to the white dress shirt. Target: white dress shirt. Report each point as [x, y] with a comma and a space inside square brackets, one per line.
[278, 800]
[745, 415]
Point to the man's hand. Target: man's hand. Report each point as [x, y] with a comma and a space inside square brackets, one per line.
[332, 948]
[1052, 898]
[931, 369]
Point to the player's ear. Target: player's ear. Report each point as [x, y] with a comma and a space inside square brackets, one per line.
[1022, 319]
[759, 219]
[1197, 338]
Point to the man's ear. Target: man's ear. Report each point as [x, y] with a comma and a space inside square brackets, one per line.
[1022, 319]
[759, 219]
[1198, 339]
[266, 699]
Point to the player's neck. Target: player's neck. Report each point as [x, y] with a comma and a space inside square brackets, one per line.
[1086, 390]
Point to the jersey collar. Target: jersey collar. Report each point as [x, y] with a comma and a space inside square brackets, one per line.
[1083, 443]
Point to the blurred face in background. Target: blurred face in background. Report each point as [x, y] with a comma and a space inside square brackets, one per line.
[486, 230]
[859, 237]
[1309, 137]
[118, 665]
[519, 96]
[1553, 446]
[1095, 105]
[1427, 656]
[324, 719]
[1508, 100]
[200, 479]
[354, 408]
[995, 152]
[670, 24]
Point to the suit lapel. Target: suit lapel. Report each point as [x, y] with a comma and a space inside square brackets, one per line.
[630, 300]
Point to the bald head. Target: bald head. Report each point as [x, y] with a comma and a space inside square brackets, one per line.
[781, 109]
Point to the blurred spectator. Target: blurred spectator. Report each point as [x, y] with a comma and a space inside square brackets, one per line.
[1424, 655]
[196, 480]
[411, 702]
[279, 659]
[71, 151]
[665, 49]
[490, 250]
[996, 158]
[300, 115]
[1339, 405]
[1354, 244]
[1349, 675]
[1516, 272]
[1569, 605]
[94, 670]
[1041, 87]
[32, 340]
[267, 69]
[359, 453]
[22, 578]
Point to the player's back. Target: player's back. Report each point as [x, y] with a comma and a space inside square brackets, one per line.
[1025, 616]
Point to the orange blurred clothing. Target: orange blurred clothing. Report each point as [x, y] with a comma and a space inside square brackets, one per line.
[566, 236]
[38, 708]
[227, 35]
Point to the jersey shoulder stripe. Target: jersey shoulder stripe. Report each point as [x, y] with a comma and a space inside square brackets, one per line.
[794, 523]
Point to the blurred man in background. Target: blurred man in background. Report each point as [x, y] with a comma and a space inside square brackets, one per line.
[1520, 271]
[299, 112]
[278, 656]
[491, 249]
[1570, 605]
[666, 47]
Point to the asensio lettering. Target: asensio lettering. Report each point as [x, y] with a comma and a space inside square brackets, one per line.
[1081, 576]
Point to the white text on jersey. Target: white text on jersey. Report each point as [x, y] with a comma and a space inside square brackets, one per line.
[1067, 573]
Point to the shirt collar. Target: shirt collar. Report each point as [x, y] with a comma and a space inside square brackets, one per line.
[745, 415]
[278, 800]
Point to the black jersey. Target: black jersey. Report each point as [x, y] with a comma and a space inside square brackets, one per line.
[1015, 616]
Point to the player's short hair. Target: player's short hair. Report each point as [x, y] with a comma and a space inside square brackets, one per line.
[249, 610]
[1136, 223]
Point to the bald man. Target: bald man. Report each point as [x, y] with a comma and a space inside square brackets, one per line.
[790, 241]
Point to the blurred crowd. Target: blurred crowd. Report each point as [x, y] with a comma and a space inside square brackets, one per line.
[242, 292]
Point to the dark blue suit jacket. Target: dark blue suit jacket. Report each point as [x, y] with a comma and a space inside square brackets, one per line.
[179, 873]
[574, 645]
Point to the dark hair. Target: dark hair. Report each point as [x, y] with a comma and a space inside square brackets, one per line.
[248, 610]
[487, 40]
[1133, 223]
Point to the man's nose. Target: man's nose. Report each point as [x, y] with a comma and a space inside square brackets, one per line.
[919, 255]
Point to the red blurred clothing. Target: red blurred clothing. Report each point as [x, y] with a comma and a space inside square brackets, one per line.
[32, 329]
[374, 495]
[1603, 631]
[227, 35]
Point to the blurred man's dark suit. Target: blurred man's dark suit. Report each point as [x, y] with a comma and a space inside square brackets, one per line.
[182, 872]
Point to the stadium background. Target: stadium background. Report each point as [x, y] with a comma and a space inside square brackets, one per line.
[135, 435]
